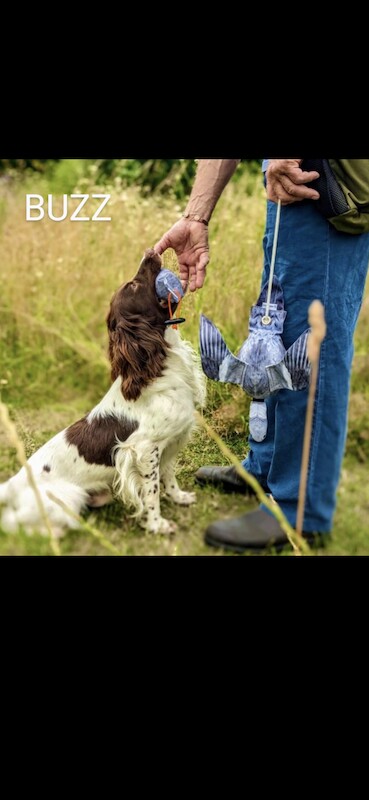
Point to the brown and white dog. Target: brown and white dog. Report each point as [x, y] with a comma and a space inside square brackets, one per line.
[129, 442]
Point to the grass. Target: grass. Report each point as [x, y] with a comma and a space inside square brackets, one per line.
[57, 280]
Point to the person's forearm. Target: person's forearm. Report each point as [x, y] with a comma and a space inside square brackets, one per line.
[212, 176]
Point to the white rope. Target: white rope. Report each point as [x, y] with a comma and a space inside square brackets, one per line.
[266, 318]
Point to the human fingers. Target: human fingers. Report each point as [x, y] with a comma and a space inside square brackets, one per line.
[201, 270]
[300, 176]
[296, 191]
[292, 167]
[164, 243]
[183, 274]
[288, 193]
[192, 276]
[286, 181]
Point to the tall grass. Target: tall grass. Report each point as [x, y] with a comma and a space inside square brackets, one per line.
[57, 279]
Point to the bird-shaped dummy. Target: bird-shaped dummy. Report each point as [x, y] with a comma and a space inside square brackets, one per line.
[263, 365]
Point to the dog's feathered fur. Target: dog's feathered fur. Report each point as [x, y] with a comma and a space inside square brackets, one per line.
[129, 442]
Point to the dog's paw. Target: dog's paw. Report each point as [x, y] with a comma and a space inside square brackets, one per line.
[184, 498]
[99, 499]
[162, 525]
[58, 532]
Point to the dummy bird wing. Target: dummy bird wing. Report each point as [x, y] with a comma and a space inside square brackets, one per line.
[217, 361]
[297, 362]
[293, 372]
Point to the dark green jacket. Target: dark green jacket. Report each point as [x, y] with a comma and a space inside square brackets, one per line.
[353, 176]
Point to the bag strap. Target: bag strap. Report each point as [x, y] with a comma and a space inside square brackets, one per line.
[332, 201]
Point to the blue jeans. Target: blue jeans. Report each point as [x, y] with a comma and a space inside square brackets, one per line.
[313, 261]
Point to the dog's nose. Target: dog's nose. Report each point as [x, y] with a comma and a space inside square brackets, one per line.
[150, 255]
[150, 264]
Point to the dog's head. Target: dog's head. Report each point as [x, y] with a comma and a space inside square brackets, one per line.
[136, 325]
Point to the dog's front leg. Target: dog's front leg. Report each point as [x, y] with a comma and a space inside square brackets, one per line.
[167, 473]
[170, 487]
[151, 518]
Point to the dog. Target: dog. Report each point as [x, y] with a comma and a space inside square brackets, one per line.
[128, 444]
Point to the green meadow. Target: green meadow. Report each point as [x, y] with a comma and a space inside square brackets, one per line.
[57, 280]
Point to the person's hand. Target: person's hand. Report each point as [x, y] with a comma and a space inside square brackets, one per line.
[189, 239]
[285, 181]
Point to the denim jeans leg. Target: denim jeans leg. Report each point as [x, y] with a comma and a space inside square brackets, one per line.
[313, 261]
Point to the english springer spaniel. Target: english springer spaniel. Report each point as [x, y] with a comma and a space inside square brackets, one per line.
[129, 442]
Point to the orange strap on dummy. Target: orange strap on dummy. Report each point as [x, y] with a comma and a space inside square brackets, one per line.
[174, 321]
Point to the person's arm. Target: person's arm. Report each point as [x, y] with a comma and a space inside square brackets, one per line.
[189, 236]
[212, 176]
[286, 179]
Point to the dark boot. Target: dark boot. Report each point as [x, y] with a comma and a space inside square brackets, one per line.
[225, 478]
[255, 531]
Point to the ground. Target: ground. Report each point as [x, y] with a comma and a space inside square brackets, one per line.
[350, 535]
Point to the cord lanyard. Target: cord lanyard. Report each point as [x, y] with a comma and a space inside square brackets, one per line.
[174, 321]
[266, 319]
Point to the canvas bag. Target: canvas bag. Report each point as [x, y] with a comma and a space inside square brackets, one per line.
[344, 191]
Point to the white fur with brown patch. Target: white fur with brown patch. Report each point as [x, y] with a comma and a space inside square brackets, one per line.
[164, 413]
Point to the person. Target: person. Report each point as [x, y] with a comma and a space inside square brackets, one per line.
[313, 261]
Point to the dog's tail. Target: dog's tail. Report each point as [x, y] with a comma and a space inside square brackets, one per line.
[132, 462]
[4, 489]
[22, 510]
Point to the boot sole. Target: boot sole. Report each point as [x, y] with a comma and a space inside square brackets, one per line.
[228, 488]
[234, 548]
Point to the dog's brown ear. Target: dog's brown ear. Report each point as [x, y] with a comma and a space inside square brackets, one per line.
[137, 352]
